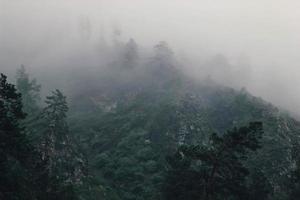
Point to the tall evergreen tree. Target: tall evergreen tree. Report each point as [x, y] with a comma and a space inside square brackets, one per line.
[15, 149]
[65, 163]
[213, 172]
[30, 91]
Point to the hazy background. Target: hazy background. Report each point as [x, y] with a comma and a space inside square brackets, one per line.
[260, 39]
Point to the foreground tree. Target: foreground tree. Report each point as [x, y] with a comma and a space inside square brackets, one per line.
[213, 172]
[16, 152]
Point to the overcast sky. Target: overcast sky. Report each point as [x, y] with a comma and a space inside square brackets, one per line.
[266, 33]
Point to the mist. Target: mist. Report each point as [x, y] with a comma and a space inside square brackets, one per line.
[256, 43]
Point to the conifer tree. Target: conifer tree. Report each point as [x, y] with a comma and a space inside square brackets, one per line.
[65, 163]
[16, 152]
[213, 172]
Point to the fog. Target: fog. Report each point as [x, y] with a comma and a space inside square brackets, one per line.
[258, 41]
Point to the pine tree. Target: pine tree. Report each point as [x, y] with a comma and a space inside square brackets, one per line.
[30, 92]
[16, 152]
[213, 172]
[65, 164]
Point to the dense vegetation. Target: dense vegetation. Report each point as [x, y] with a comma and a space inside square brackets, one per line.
[144, 131]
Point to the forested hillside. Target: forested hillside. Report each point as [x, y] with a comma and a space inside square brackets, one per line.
[144, 130]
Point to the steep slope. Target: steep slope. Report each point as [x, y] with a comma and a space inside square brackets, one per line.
[130, 117]
[127, 131]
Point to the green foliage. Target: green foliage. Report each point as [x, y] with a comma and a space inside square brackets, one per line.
[259, 187]
[65, 164]
[113, 142]
[16, 152]
[127, 145]
[295, 185]
[215, 171]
